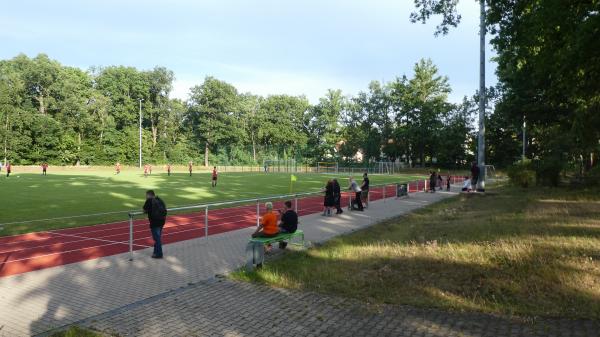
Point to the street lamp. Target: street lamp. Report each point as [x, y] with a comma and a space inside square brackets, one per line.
[141, 100]
[481, 134]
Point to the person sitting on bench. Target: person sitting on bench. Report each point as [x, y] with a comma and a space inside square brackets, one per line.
[466, 185]
[268, 224]
[289, 222]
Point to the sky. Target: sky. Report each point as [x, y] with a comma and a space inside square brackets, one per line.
[264, 47]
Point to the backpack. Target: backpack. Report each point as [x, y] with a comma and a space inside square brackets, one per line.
[159, 209]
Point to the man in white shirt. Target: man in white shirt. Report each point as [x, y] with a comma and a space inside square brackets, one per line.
[357, 195]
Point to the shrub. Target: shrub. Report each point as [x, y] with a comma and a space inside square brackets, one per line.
[521, 174]
[548, 170]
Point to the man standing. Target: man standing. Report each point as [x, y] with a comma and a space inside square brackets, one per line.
[337, 196]
[8, 169]
[169, 170]
[118, 168]
[474, 175]
[432, 181]
[44, 168]
[357, 195]
[157, 216]
[146, 171]
[289, 222]
[365, 190]
[214, 177]
[190, 167]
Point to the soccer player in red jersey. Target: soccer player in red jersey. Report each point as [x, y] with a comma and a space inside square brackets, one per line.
[44, 168]
[214, 177]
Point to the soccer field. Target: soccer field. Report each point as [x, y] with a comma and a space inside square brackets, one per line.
[31, 202]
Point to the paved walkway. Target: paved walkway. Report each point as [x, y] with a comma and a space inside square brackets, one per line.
[35, 302]
[226, 308]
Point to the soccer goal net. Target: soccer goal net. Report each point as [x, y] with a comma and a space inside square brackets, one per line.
[280, 165]
[327, 167]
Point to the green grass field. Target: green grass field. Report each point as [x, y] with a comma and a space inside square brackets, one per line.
[531, 252]
[66, 193]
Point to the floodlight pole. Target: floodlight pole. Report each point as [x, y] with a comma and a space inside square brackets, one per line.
[141, 100]
[482, 94]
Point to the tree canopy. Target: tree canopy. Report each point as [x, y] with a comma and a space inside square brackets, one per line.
[64, 115]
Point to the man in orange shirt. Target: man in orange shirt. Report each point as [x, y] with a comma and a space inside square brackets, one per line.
[267, 228]
[268, 224]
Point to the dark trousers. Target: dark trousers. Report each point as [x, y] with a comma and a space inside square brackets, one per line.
[338, 200]
[156, 236]
[358, 201]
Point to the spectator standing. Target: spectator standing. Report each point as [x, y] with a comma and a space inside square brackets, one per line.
[329, 200]
[432, 181]
[474, 175]
[190, 166]
[44, 168]
[169, 170]
[8, 169]
[448, 182]
[118, 168]
[337, 196]
[357, 201]
[157, 216]
[364, 194]
[440, 181]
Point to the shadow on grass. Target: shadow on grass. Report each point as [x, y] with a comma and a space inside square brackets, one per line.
[505, 253]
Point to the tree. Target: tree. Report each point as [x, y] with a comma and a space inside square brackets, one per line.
[324, 128]
[210, 112]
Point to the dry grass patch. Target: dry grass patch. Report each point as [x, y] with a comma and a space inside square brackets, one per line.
[525, 252]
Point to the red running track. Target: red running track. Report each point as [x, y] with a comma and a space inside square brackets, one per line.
[28, 252]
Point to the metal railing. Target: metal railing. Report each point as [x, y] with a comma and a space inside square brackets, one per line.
[412, 187]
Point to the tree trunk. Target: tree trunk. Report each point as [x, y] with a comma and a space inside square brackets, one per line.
[206, 154]
[154, 134]
[42, 108]
[253, 148]
[6, 140]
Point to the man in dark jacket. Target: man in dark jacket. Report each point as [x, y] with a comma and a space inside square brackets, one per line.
[289, 221]
[337, 196]
[157, 215]
[474, 175]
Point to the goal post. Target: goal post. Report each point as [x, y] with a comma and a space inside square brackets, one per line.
[280, 165]
[327, 167]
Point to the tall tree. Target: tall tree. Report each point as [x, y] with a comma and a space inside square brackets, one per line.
[211, 108]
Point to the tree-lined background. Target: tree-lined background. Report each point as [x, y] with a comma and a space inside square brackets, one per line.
[65, 115]
[548, 57]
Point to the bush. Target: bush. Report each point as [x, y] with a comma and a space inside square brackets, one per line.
[548, 171]
[521, 174]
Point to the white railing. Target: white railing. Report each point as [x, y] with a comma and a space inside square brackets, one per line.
[380, 192]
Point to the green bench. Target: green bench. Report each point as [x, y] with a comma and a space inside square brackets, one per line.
[255, 249]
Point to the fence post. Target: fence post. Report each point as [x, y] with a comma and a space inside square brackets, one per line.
[296, 203]
[130, 237]
[206, 223]
[257, 213]
[407, 188]
[425, 185]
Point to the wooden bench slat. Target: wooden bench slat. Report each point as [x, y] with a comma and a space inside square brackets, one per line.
[278, 238]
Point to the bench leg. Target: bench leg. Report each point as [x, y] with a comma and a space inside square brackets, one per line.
[255, 254]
